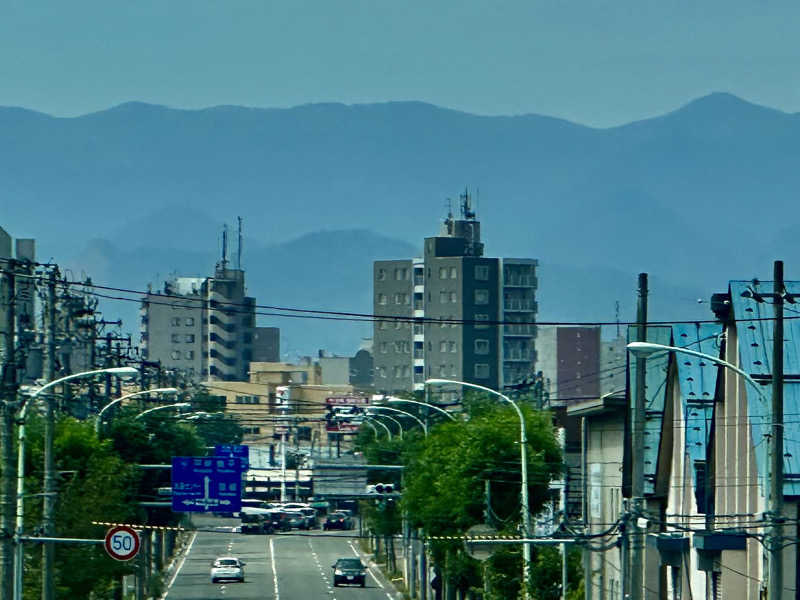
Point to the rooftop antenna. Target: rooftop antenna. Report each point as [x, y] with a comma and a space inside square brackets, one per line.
[466, 209]
[225, 246]
[239, 250]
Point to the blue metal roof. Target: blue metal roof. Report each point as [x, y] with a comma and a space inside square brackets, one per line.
[698, 383]
[655, 396]
[755, 358]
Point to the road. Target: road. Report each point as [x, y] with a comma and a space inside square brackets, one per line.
[288, 566]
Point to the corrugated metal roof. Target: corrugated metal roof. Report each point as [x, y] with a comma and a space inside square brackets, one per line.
[655, 396]
[755, 357]
[698, 383]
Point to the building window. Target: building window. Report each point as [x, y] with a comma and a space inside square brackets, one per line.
[443, 297]
[453, 297]
[482, 272]
[398, 347]
[482, 297]
[382, 299]
[406, 371]
[398, 325]
[481, 371]
[381, 275]
[176, 338]
[442, 370]
[478, 321]
[453, 273]
[384, 348]
[176, 355]
[481, 346]
[442, 272]
[190, 338]
[190, 355]
[251, 430]
[382, 324]
[453, 371]
[189, 321]
[442, 346]
[452, 346]
[175, 321]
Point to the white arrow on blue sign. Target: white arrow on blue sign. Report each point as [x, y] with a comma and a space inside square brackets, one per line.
[206, 484]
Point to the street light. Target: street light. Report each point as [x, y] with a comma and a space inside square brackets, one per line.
[151, 410]
[99, 416]
[647, 349]
[393, 420]
[381, 423]
[23, 413]
[523, 442]
[408, 414]
[374, 429]
[426, 405]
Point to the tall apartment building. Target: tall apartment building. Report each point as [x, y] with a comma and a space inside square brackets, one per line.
[205, 327]
[444, 312]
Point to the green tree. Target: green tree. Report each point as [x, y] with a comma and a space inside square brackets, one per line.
[95, 484]
[447, 474]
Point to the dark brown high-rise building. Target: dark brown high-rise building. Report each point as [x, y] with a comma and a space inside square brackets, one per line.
[444, 313]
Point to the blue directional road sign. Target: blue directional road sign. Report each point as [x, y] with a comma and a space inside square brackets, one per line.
[206, 484]
[232, 450]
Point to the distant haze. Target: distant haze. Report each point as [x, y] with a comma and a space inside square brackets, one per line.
[696, 197]
[595, 62]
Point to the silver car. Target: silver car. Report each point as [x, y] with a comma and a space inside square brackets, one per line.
[227, 568]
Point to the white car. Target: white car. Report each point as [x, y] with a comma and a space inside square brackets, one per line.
[227, 568]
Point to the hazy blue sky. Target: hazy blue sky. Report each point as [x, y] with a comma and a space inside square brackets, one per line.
[592, 61]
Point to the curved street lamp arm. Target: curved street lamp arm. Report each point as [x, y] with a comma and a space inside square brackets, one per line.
[150, 410]
[395, 421]
[374, 429]
[648, 349]
[382, 424]
[426, 405]
[407, 414]
[118, 371]
[134, 394]
[488, 391]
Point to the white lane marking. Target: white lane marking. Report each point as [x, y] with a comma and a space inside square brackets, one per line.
[274, 569]
[369, 570]
[180, 565]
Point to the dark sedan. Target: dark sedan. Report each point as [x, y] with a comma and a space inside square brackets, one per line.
[350, 571]
[337, 520]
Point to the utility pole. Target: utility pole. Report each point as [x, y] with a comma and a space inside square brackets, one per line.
[775, 575]
[637, 452]
[49, 503]
[8, 401]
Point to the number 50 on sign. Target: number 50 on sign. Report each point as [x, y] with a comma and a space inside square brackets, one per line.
[122, 542]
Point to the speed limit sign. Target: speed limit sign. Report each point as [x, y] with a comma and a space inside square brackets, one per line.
[122, 542]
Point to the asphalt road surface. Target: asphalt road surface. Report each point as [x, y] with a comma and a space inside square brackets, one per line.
[287, 566]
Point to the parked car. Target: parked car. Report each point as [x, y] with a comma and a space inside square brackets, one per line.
[350, 571]
[279, 520]
[227, 568]
[337, 520]
[311, 517]
[256, 520]
[296, 518]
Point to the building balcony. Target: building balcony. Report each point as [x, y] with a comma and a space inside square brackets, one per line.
[518, 357]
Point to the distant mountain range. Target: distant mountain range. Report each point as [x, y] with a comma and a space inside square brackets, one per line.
[132, 194]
